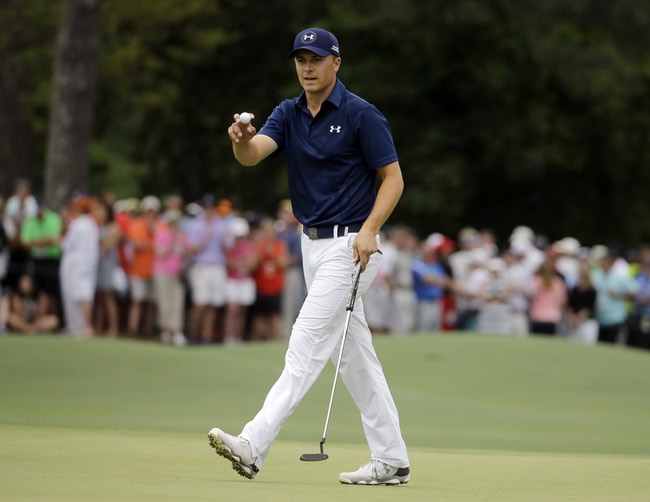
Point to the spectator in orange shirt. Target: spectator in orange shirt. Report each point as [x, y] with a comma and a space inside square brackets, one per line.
[269, 282]
[125, 212]
[142, 311]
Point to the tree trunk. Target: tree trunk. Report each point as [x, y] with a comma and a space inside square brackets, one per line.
[73, 96]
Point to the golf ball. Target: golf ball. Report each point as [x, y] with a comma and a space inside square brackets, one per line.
[245, 118]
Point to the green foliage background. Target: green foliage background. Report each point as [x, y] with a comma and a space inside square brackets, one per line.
[504, 112]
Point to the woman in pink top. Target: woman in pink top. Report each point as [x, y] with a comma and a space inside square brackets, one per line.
[171, 247]
[548, 299]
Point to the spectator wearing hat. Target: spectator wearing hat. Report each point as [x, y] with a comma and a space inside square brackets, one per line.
[463, 262]
[78, 271]
[613, 251]
[241, 261]
[124, 212]
[429, 281]
[467, 290]
[209, 238]
[142, 311]
[614, 288]
[468, 240]
[494, 317]
[523, 243]
[171, 248]
[519, 281]
[567, 262]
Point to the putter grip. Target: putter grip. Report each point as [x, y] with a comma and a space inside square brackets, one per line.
[355, 286]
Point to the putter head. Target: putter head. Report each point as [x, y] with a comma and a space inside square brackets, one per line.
[313, 457]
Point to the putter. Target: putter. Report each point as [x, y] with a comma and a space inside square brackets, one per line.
[315, 457]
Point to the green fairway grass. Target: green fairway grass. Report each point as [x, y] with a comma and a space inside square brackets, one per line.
[485, 418]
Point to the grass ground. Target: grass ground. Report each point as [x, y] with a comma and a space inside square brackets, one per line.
[485, 418]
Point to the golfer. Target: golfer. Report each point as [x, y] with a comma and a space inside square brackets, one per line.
[336, 144]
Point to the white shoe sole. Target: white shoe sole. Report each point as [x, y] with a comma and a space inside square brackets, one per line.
[223, 451]
[374, 482]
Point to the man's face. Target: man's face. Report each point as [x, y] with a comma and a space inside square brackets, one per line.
[316, 74]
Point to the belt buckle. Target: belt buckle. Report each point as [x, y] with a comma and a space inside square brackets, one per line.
[312, 233]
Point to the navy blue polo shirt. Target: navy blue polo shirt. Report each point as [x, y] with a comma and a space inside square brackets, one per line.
[331, 158]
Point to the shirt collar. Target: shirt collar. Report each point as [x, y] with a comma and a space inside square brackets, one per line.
[335, 97]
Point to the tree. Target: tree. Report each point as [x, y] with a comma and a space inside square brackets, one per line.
[26, 32]
[503, 112]
[73, 98]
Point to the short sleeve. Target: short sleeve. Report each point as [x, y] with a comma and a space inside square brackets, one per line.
[274, 127]
[375, 138]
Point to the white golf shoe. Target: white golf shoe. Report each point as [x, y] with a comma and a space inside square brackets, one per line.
[236, 449]
[376, 473]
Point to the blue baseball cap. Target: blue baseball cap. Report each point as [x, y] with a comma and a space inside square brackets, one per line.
[316, 40]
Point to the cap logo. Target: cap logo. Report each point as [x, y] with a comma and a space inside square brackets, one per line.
[309, 37]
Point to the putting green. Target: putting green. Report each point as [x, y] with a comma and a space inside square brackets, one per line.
[485, 418]
[80, 464]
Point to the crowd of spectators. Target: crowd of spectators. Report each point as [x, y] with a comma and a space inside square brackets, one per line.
[149, 268]
[206, 272]
[529, 286]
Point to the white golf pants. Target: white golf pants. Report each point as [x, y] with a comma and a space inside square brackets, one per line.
[315, 338]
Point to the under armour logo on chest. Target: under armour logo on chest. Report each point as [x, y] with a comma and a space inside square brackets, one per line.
[336, 129]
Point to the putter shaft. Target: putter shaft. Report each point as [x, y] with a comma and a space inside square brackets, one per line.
[349, 308]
